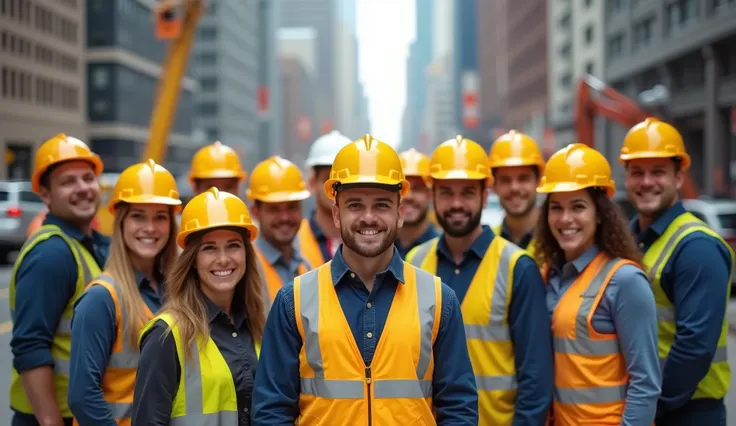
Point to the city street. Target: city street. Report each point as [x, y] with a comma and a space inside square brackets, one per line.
[5, 356]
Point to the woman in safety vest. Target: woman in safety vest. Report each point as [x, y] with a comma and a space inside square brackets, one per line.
[117, 304]
[604, 318]
[199, 356]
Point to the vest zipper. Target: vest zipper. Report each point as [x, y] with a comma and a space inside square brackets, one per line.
[368, 381]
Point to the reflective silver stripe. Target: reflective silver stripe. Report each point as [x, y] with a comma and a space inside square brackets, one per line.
[128, 357]
[64, 326]
[494, 333]
[333, 389]
[598, 395]
[422, 252]
[592, 347]
[665, 314]
[121, 410]
[221, 418]
[493, 383]
[721, 355]
[427, 303]
[61, 366]
[85, 268]
[404, 388]
[663, 255]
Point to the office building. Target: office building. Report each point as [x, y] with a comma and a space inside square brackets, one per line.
[438, 120]
[492, 66]
[420, 55]
[270, 139]
[688, 47]
[42, 78]
[465, 71]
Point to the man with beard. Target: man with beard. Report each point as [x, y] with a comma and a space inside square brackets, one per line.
[365, 338]
[318, 235]
[417, 228]
[53, 268]
[517, 165]
[216, 165]
[277, 189]
[690, 267]
[500, 287]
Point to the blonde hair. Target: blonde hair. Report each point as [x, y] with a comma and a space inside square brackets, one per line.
[118, 266]
[186, 301]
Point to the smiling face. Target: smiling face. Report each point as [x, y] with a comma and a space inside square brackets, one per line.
[220, 262]
[652, 184]
[416, 202]
[73, 192]
[146, 230]
[458, 204]
[278, 223]
[368, 219]
[516, 188]
[572, 220]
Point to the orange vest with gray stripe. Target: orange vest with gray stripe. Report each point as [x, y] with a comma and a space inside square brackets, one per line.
[337, 388]
[590, 370]
[118, 380]
[309, 246]
[272, 281]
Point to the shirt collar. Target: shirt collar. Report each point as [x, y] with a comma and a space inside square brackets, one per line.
[339, 268]
[214, 311]
[662, 222]
[579, 264]
[524, 240]
[72, 231]
[478, 248]
[143, 280]
[273, 255]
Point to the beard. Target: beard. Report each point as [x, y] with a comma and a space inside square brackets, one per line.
[351, 238]
[459, 230]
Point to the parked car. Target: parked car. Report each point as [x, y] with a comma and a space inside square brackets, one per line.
[719, 214]
[18, 206]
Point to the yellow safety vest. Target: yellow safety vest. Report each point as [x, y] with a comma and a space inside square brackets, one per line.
[529, 248]
[337, 387]
[206, 394]
[716, 383]
[61, 346]
[485, 314]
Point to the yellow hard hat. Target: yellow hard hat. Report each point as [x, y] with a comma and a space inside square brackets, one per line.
[58, 149]
[577, 166]
[515, 149]
[654, 139]
[215, 209]
[146, 183]
[414, 163]
[216, 161]
[276, 180]
[366, 161]
[460, 158]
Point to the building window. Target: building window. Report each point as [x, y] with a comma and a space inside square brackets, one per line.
[643, 32]
[588, 3]
[566, 51]
[681, 13]
[565, 21]
[589, 34]
[590, 68]
[566, 80]
[208, 84]
[616, 46]
[100, 77]
[208, 109]
[207, 33]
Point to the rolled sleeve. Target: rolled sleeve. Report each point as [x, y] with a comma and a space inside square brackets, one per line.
[635, 317]
[455, 395]
[531, 335]
[277, 387]
[701, 270]
[93, 334]
[45, 281]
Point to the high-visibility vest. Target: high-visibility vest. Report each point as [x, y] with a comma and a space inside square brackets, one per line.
[272, 282]
[206, 395]
[337, 388]
[590, 371]
[529, 248]
[87, 269]
[486, 326]
[309, 246]
[118, 380]
[716, 383]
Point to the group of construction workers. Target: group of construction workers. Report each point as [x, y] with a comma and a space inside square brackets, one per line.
[235, 309]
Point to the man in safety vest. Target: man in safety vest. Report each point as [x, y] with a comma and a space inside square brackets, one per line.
[366, 338]
[690, 268]
[216, 165]
[277, 190]
[319, 233]
[517, 165]
[500, 288]
[53, 268]
[417, 228]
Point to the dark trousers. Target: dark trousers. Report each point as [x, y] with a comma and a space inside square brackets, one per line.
[22, 419]
[697, 412]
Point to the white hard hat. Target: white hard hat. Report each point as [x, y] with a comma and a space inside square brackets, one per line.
[324, 149]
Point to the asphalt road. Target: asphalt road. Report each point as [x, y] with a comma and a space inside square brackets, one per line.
[6, 358]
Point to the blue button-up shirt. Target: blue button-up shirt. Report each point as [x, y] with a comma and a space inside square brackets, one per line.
[320, 236]
[427, 235]
[94, 330]
[696, 280]
[627, 309]
[287, 270]
[45, 282]
[276, 394]
[528, 323]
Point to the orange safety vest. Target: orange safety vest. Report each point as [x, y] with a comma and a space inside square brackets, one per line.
[309, 246]
[337, 388]
[590, 370]
[271, 279]
[118, 380]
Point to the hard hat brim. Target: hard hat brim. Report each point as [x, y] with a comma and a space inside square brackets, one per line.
[323, 161]
[181, 239]
[550, 188]
[461, 175]
[147, 199]
[217, 174]
[280, 197]
[93, 159]
[623, 158]
[372, 180]
[516, 162]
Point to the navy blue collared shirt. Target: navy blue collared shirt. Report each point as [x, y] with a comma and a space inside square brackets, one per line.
[696, 280]
[523, 242]
[276, 395]
[320, 236]
[430, 233]
[528, 322]
[94, 330]
[45, 282]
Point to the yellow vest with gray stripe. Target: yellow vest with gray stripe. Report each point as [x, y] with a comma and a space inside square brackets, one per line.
[716, 382]
[206, 394]
[485, 314]
[61, 346]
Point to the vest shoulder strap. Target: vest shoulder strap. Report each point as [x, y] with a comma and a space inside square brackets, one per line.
[417, 255]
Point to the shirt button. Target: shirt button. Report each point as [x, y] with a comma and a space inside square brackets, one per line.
[369, 305]
[457, 271]
[352, 275]
[641, 244]
[369, 335]
[245, 410]
[235, 334]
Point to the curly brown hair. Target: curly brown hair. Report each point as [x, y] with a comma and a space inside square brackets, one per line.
[612, 234]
